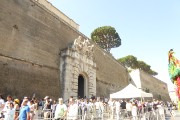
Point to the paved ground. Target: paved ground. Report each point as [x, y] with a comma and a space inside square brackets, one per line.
[168, 115]
[174, 116]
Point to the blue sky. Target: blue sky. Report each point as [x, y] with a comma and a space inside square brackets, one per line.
[148, 28]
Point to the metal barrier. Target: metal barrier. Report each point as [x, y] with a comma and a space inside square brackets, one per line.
[142, 114]
[108, 113]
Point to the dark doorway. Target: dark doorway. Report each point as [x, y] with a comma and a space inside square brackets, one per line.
[80, 86]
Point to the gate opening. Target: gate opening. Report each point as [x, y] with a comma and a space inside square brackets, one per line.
[81, 86]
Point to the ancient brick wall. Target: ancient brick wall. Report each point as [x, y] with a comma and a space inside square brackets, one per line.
[111, 75]
[155, 86]
[31, 38]
[20, 78]
[30, 35]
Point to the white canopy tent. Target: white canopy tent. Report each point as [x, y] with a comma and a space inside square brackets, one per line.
[130, 91]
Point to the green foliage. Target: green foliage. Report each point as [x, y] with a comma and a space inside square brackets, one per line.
[106, 37]
[152, 72]
[145, 67]
[131, 62]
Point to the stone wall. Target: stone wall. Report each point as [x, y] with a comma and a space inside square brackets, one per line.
[31, 38]
[57, 12]
[155, 86]
[111, 75]
[30, 34]
[20, 78]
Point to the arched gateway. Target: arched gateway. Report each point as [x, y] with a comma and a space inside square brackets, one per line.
[78, 70]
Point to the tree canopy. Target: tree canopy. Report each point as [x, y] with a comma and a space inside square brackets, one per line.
[131, 62]
[106, 37]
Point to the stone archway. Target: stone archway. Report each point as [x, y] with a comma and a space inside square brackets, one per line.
[76, 61]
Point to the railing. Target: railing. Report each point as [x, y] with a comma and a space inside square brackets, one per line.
[142, 114]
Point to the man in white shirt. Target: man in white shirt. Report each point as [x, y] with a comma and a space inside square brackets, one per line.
[128, 108]
[72, 113]
[61, 110]
[111, 107]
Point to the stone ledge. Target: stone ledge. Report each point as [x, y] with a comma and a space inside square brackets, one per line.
[57, 12]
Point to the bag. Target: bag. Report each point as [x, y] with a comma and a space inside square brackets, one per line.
[2, 115]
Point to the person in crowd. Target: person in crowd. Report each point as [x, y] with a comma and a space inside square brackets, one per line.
[41, 104]
[149, 106]
[134, 111]
[47, 107]
[101, 107]
[106, 104]
[36, 106]
[141, 107]
[24, 111]
[9, 100]
[169, 105]
[161, 111]
[155, 103]
[26, 98]
[79, 103]
[10, 112]
[128, 107]
[16, 107]
[53, 108]
[117, 104]
[32, 109]
[123, 104]
[6, 105]
[82, 107]
[111, 106]
[90, 106]
[72, 113]
[98, 109]
[61, 110]
[85, 108]
[2, 103]
[93, 97]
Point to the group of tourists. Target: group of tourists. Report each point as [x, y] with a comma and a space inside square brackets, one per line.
[16, 109]
[74, 109]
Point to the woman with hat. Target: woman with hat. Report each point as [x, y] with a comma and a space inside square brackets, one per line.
[16, 107]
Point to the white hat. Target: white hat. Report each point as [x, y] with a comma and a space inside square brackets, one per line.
[60, 99]
[25, 97]
[47, 97]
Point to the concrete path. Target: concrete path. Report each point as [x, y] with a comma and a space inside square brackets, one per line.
[174, 116]
[168, 115]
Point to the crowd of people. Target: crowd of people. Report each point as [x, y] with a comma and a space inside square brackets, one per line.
[73, 109]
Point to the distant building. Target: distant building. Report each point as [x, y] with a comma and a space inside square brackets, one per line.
[173, 96]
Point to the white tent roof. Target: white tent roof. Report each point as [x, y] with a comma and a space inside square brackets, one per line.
[130, 91]
[135, 76]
